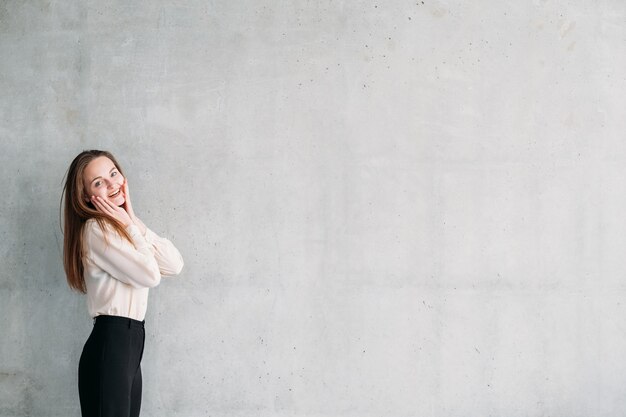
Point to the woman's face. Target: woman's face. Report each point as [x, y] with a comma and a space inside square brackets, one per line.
[101, 178]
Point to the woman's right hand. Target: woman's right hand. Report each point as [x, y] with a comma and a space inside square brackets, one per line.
[118, 213]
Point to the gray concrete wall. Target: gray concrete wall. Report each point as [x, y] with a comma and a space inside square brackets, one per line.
[386, 208]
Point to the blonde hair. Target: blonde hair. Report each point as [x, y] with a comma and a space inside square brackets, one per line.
[76, 213]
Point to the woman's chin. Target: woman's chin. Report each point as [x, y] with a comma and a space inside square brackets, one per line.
[118, 201]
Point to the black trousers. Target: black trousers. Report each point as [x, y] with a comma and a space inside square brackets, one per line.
[109, 370]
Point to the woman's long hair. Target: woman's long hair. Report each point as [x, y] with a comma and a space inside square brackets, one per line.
[76, 213]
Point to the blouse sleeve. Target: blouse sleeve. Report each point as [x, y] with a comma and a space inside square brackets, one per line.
[135, 267]
[169, 259]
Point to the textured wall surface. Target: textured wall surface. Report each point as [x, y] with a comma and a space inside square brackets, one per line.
[386, 208]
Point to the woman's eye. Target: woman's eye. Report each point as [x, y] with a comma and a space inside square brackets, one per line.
[114, 172]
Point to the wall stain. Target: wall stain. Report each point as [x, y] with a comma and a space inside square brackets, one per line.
[566, 28]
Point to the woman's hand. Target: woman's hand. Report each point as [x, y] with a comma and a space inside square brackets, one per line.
[118, 213]
[129, 208]
[127, 204]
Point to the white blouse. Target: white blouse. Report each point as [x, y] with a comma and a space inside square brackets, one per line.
[118, 276]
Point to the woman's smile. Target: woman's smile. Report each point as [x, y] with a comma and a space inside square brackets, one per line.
[117, 198]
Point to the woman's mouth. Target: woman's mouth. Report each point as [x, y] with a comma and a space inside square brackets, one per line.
[115, 194]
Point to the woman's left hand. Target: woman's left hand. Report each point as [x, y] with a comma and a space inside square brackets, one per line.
[129, 208]
[127, 204]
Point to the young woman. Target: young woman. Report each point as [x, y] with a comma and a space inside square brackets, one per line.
[110, 255]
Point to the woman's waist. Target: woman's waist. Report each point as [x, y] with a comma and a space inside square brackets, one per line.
[106, 319]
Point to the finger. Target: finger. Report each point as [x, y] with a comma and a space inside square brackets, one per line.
[94, 202]
[98, 205]
[114, 209]
[109, 204]
[104, 204]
